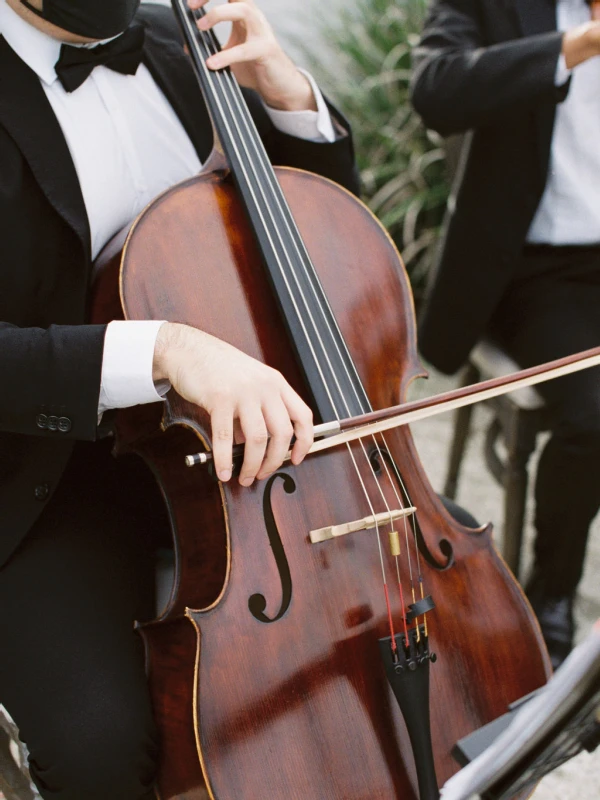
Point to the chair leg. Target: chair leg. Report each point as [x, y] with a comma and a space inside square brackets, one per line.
[520, 443]
[459, 440]
[14, 782]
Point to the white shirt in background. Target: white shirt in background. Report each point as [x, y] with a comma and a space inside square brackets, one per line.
[569, 211]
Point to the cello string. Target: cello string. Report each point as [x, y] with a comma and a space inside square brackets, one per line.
[281, 208]
[236, 99]
[299, 245]
[229, 85]
[214, 49]
[241, 108]
[392, 483]
[413, 525]
[243, 168]
[289, 222]
[307, 265]
[303, 256]
[316, 329]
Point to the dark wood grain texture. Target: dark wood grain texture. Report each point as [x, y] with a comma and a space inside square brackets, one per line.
[299, 708]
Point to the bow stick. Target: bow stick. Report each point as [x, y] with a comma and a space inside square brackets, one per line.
[347, 430]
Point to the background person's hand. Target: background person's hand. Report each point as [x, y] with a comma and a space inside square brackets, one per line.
[247, 400]
[256, 57]
[581, 43]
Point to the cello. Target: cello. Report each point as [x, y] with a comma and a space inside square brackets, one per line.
[333, 631]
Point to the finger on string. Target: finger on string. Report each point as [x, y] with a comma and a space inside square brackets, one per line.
[221, 421]
[249, 51]
[281, 431]
[255, 433]
[302, 420]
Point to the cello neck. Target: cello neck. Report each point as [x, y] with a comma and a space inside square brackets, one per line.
[319, 345]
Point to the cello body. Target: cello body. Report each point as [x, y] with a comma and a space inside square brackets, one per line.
[265, 669]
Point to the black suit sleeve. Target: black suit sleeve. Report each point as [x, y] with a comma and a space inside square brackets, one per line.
[51, 380]
[462, 81]
[49, 373]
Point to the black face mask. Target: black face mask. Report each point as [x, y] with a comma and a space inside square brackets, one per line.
[95, 19]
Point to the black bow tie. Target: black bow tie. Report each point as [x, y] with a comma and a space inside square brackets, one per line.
[122, 54]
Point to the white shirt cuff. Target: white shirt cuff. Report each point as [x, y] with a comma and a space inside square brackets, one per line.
[127, 365]
[562, 74]
[314, 126]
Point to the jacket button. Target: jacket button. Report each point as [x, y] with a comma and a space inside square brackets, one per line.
[42, 491]
[64, 424]
[41, 421]
[52, 423]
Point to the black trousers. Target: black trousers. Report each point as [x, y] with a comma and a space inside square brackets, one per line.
[553, 310]
[71, 665]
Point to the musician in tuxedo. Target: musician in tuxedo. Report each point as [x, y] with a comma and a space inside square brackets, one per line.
[89, 134]
[520, 257]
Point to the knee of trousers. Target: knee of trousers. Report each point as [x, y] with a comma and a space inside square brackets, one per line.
[579, 438]
[101, 762]
[577, 421]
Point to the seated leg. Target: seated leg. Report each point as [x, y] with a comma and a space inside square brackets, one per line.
[462, 425]
[73, 677]
[553, 316]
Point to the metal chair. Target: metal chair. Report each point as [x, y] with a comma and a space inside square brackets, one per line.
[517, 419]
[15, 783]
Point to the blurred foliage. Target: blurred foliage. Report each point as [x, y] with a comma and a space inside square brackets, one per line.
[366, 69]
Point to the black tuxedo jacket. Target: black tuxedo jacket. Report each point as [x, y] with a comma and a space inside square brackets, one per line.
[486, 65]
[50, 361]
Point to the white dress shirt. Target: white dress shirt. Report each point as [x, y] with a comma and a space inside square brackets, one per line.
[128, 146]
[569, 211]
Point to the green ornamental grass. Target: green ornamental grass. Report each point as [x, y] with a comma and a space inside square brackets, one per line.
[366, 70]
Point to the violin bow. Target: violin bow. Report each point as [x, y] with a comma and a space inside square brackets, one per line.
[348, 430]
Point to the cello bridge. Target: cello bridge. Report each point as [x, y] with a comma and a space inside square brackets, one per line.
[364, 524]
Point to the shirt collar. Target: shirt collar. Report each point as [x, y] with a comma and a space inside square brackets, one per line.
[38, 50]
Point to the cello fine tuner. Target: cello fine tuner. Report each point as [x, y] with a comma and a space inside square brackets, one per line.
[333, 531]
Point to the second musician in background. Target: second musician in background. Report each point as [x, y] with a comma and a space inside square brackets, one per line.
[521, 254]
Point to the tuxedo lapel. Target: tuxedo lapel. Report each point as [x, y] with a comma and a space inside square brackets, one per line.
[171, 69]
[28, 117]
[536, 16]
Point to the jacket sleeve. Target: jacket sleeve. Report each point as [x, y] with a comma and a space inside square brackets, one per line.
[51, 380]
[461, 81]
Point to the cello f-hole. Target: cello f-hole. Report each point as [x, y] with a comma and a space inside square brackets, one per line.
[257, 603]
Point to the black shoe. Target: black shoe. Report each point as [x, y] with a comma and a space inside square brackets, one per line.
[555, 616]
